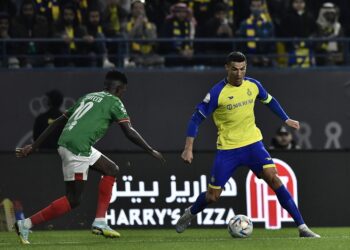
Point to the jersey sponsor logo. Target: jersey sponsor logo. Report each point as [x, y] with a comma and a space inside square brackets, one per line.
[262, 203]
[207, 98]
[239, 104]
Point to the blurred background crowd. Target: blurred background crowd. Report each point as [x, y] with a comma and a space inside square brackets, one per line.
[157, 33]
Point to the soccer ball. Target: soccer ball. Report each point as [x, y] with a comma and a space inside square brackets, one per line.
[240, 226]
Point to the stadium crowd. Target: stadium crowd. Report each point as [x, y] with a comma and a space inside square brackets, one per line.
[83, 32]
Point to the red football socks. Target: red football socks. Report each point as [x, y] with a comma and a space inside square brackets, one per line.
[54, 210]
[104, 195]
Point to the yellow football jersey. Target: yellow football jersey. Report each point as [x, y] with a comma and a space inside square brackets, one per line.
[233, 112]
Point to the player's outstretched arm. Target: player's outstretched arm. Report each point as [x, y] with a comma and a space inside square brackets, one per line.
[275, 107]
[136, 138]
[28, 149]
[192, 131]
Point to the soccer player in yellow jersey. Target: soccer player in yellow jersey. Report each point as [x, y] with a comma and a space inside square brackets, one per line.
[231, 102]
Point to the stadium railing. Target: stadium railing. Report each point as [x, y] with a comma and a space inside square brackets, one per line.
[208, 52]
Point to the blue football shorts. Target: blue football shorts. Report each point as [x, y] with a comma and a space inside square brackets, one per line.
[226, 162]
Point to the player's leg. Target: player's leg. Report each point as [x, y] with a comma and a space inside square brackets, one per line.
[203, 200]
[54, 210]
[75, 174]
[224, 165]
[261, 164]
[109, 170]
[57, 208]
[270, 175]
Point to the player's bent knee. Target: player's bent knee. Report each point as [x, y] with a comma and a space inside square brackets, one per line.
[113, 170]
[274, 181]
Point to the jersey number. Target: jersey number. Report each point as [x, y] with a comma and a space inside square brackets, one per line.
[79, 113]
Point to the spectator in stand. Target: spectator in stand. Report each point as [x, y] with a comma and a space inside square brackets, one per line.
[42, 121]
[51, 8]
[97, 49]
[344, 11]
[202, 10]
[179, 24]
[157, 11]
[238, 11]
[217, 27]
[278, 10]
[258, 25]
[114, 19]
[9, 7]
[30, 25]
[5, 47]
[329, 53]
[299, 23]
[139, 27]
[70, 52]
[283, 140]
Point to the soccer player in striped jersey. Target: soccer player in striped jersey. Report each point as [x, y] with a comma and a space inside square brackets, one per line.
[85, 123]
[239, 143]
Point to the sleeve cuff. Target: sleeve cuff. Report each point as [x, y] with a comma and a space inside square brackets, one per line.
[123, 120]
[267, 100]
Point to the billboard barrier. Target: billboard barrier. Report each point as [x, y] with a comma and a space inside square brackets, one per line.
[150, 195]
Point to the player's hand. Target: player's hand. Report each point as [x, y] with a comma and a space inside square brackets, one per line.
[24, 152]
[187, 156]
[293, 124]
[158, 155]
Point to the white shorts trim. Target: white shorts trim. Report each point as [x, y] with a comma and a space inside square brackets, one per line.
[76, 167]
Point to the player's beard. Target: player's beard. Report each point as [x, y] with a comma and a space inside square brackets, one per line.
[237, 81]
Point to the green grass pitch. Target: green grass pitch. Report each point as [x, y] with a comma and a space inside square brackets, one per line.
[167, 239]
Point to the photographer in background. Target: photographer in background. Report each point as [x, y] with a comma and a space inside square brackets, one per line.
[42, 121]
[283, 140]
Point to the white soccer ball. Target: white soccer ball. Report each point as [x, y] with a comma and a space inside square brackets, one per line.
[240, 226]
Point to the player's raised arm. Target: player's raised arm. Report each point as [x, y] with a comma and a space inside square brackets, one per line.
[136, 138]
[28, 149]
[275, 107]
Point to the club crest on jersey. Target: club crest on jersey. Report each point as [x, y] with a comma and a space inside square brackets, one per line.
[207, 98]
[249, 92]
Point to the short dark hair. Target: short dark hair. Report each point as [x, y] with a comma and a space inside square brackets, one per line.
[55, 98]
[113, 78]
[235, 56]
